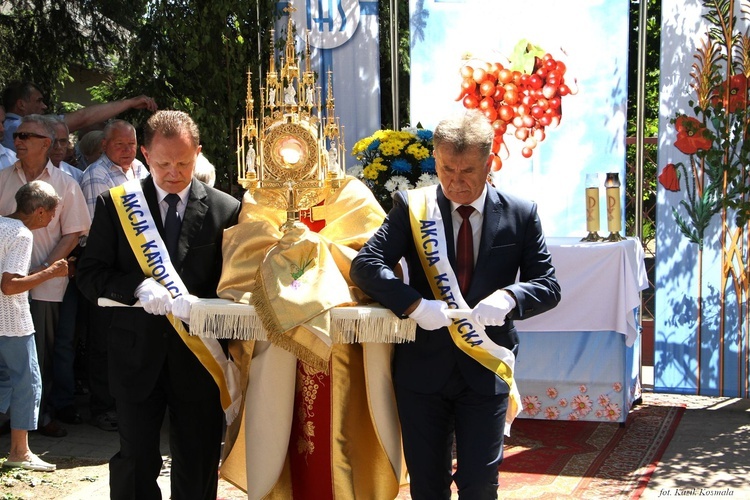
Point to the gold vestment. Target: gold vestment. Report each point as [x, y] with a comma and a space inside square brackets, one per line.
[365, 444]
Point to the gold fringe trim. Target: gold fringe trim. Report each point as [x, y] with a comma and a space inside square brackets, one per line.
[264, 310]
[224, 319]
[368, 328]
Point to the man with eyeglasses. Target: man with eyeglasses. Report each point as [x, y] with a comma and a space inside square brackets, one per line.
[60, 148]
[24, 98]
[62, 395]
[33, 140]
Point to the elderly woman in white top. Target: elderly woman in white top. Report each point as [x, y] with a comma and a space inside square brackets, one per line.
[20, 381]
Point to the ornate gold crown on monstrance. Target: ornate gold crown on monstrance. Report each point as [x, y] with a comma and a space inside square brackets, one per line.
[293, 154]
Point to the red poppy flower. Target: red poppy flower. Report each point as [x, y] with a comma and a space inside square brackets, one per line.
[738, 91]
[691, 135]
[670, 178]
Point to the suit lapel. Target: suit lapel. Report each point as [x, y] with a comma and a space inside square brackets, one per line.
[444, 204]
[195, 212]
[490, 226]
[149, 191]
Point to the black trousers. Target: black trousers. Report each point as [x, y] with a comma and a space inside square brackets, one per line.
[429, 423]
[195, 433]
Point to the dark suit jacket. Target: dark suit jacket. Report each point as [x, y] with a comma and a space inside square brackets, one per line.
[139, 343]
[512, 244]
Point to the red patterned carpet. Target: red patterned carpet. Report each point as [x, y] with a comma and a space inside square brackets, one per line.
[561, 459]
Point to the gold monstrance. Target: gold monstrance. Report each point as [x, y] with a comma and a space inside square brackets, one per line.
[294, 154]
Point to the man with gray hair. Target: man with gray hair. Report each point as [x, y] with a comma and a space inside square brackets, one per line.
[60, 147]
[33, 141]
[456, 378]
[114, 167]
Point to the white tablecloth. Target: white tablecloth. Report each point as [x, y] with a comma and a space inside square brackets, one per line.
[600, 285]
[581, 360]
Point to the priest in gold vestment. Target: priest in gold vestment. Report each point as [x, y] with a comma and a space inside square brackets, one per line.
[318, 418]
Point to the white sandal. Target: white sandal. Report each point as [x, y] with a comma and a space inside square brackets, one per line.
[34, 463]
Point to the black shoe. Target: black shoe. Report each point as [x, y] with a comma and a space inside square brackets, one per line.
[68, 415]
[53, 429]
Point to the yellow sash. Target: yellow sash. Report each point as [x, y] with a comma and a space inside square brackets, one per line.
[153, 258]
[429, 238]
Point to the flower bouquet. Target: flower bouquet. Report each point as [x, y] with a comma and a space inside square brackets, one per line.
[395, 160]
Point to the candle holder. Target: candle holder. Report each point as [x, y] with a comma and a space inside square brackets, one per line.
[592, 208]
[614, 209]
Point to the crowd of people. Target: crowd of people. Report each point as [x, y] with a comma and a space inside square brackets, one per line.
[90, 221]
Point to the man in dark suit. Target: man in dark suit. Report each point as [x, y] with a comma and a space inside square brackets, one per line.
[151, 368]
[442, 389]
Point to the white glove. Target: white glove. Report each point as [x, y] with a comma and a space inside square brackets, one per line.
[154, 297]
[492, 310]
[430, 314]
[181, 307]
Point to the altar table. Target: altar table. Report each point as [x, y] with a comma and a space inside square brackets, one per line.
[581, 360]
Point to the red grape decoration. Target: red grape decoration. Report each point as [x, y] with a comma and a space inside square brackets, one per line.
[523, 99]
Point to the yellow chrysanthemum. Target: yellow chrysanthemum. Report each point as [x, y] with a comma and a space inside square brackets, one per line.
[361, 145]
[370, 172]
[418, 151]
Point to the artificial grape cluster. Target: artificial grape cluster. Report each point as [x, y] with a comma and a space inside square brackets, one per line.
[523, 104]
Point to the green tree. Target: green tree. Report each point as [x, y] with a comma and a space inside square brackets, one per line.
[41, 40]
[404, 31]
[650, 112]
[194, 56]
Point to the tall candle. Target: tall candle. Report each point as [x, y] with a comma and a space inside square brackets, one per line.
[614, 211]
[592, 203]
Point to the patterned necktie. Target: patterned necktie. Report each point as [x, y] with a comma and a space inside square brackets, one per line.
[172, 225]
[465, 249]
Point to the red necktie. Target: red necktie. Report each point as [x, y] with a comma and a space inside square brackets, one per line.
[465, 249]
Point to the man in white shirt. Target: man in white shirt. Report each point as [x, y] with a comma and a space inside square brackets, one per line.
[33, 140]
[60, 148]
[62, 396]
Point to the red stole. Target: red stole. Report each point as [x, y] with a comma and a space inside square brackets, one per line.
[310, 440]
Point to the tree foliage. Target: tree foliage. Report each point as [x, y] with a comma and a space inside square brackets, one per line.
[650, 111]
[404, 63]
[41, 40]
[194, 55]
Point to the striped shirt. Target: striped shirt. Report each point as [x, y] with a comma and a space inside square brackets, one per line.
[103, 174]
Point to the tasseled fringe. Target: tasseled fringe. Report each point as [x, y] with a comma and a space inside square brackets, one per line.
[357, 325]
[224, 319]
[299, 352]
